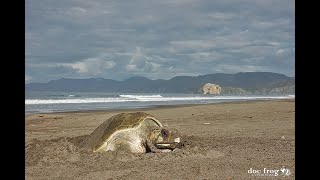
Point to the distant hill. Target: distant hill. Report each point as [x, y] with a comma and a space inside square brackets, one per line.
[239, 83]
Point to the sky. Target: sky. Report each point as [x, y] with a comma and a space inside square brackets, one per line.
[118, 39]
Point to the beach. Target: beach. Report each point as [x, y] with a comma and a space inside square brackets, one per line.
[230, 140]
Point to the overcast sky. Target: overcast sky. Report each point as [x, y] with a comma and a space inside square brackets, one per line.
[159, 39]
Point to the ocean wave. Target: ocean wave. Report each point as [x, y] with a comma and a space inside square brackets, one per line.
[74, 101]
[147, 98]
[140, 96]
[292, 96]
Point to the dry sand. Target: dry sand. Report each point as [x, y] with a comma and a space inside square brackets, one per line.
[223, 141]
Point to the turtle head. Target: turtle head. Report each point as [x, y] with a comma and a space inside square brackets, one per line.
[164, 138]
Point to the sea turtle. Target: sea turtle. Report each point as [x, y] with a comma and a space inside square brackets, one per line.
[137, 132]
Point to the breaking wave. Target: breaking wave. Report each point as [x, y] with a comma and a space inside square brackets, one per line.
[147, 98]
[140, 96]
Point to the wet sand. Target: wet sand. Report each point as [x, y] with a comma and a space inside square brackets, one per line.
[222, 141]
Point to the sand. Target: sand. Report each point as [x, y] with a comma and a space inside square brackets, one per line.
[222, 141]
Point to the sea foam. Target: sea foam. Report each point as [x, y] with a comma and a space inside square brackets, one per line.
[146, 98]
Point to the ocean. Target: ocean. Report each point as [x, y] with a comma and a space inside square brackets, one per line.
[46, 102]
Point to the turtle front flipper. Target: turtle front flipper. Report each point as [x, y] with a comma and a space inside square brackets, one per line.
[150, 147]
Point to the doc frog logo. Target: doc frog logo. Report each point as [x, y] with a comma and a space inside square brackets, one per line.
[285, 171]
[265, 172]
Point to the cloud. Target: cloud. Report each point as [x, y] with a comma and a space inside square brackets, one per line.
[140, 62]
[92, 66]
[27, 78]
[193, 44]
[237, 68]
[157, 39]
[284, 52]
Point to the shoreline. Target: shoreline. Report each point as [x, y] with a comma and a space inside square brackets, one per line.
[152, 107]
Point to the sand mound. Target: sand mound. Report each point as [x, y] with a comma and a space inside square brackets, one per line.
[67, 154]
[59, 150]
[67, 150]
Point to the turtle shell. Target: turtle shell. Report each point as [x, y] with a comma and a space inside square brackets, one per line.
[119, 122]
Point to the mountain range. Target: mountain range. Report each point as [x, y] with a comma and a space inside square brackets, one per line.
[240, 83]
